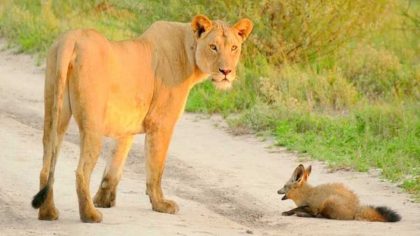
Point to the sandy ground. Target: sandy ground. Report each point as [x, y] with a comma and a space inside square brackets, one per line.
[224, 185]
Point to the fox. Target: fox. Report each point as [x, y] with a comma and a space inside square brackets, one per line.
[331, 201]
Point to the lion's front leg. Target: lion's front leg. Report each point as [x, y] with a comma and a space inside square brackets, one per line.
[107, 192]
[156, 144]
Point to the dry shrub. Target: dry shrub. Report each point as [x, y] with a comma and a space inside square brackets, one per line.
[378, 73]
[294, 87]
[286, 31]
[300, 30]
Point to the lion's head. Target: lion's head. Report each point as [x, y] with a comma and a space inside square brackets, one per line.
[219, 47]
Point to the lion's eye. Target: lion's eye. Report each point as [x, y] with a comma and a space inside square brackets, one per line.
[213, 47]
[234, 47]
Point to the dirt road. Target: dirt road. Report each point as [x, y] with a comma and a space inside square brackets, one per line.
[224, 185]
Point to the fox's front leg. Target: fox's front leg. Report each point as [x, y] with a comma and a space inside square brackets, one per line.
[295, 211]
[304, 214]
[306, 211]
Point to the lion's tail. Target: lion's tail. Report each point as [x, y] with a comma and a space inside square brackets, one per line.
[63, 56]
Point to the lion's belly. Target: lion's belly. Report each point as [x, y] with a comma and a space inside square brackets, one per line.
[122, 118]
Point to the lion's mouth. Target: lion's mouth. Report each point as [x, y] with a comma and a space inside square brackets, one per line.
[218, 81]
[222, 84]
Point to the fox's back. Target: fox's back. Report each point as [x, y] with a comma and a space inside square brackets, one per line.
[337, 191]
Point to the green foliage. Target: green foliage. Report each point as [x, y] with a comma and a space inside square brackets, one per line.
[34, 25]
[205, 98]
[32, 33]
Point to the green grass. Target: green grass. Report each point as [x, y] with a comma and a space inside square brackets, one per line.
[382, 136]
[366, 138]
[338, 80]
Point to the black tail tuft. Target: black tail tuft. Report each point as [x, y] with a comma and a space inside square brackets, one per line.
[40, 197]
[388, 214]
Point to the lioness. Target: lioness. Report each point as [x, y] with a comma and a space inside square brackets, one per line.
[119, 89]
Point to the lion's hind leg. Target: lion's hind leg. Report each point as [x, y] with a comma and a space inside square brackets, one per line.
[44, 200]
[106, 195]
[91, 144]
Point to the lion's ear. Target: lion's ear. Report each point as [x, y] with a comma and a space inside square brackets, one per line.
[244, 27]
[200, 24]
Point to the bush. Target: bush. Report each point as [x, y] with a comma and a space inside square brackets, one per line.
[34, 33]
[378, 73]
[296, 31]
[306, 89]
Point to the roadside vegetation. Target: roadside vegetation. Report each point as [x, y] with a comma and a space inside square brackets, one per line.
[338, 80]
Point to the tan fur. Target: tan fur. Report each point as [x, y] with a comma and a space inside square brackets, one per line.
[369, 213]
[333, 201]
[119, 89]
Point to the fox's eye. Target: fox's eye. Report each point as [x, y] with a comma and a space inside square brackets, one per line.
[213, 47]
[234, 47]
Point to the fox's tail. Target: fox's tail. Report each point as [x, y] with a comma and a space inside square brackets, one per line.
[382, 214]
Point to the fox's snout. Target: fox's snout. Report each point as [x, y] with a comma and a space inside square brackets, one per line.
[281, 191]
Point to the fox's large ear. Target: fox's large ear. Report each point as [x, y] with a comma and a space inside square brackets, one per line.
[244, 27]
[298, 173]
[200, 24]
[307, 172]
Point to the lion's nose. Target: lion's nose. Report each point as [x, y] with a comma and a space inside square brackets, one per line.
[225, 71]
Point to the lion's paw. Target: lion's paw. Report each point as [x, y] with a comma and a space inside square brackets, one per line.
[104, 198]
[48, 214]
[92, 216]
[165, 206]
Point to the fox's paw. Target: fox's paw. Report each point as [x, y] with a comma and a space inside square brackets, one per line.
[287, 213]
[303, 214]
